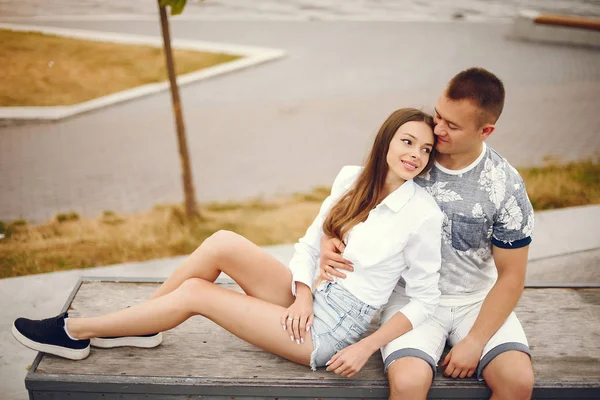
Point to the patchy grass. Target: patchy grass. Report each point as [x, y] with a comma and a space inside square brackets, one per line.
[318, 194]
[47, 70]
[72, 216]
[161, 232]
[559, 185]
[66, 243]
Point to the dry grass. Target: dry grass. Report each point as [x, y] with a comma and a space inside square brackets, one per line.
[73, 242]
[67, 243]
[558, 185]
[48, 70]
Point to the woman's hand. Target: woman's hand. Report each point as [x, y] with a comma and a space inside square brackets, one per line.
[297, 320]
[349, 361]
[331, 260]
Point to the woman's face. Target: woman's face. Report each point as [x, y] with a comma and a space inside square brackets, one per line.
[409, 150]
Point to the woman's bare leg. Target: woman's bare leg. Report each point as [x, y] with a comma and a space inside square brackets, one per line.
[258, 273]
[254, 320]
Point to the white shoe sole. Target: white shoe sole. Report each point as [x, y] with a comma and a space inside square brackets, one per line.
[132, 341]
[72, 354]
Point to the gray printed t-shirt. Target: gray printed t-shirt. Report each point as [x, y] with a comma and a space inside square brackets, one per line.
[483, 204]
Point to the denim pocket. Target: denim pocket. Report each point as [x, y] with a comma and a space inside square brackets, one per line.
[467, 232]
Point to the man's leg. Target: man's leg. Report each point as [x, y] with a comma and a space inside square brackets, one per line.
[409, 378]
[505, 364]
[510, 376]
[410, 360]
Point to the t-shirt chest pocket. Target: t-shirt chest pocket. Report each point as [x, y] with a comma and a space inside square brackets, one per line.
[467, 232]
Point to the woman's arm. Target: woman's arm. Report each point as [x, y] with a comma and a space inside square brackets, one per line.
[423, 257]
[349, 361]
[304, 262]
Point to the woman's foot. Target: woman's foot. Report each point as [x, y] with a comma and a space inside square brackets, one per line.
[144, 341]
[49, 336]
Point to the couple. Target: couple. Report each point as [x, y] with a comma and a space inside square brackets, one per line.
[434, 230]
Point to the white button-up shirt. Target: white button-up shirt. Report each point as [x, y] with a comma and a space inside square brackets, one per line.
[401, 238]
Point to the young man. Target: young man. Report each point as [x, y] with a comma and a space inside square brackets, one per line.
[485, 239]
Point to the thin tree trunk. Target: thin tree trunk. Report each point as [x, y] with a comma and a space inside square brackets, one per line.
[191, 208]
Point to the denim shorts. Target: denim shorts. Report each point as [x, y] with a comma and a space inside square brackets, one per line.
[340, 320]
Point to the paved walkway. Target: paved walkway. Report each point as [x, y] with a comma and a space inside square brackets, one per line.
[382, 10]
[566, 248]
[289, 125]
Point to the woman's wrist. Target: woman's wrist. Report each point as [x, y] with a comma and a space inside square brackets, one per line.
[303, 291]
[370, 344]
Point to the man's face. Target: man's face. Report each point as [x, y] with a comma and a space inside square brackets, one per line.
[457, 126]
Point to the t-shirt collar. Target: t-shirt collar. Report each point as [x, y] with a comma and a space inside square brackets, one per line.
[465, 169]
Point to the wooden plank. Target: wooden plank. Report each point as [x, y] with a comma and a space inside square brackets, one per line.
[563, 327]
[198, 347]
[202, 358]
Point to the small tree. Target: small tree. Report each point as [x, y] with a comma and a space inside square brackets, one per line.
[177, 6]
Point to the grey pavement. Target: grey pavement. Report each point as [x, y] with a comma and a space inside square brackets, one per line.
[566, 248]
[434, 10]
[289, 125]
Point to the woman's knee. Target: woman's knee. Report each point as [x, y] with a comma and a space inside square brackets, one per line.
[192, 289]
[219, 244]
[409, 377]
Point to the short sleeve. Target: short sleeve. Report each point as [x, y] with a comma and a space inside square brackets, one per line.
[513, 226]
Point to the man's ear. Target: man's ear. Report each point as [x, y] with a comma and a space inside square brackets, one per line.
[487, 130]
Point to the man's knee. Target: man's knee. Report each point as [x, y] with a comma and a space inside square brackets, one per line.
[510, 376]
[409, 378]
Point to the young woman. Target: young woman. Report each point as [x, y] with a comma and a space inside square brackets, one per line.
[391, 228]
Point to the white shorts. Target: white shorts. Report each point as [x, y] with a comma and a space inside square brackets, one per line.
[448, 324]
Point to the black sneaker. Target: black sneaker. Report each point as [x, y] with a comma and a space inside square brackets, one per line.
[49, 336]
[144, 341]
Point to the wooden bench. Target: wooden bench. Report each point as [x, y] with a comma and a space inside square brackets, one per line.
[592, 24]
[199, 359]
[558, 29]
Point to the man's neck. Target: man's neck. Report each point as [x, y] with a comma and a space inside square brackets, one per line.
[460, 160]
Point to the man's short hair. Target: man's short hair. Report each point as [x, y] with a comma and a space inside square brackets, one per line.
[481, 87]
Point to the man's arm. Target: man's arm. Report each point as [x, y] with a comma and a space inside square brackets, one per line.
[503, 298]
[331, 261]
[462, 360]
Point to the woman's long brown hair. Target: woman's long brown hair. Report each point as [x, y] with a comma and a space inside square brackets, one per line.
[355, 205]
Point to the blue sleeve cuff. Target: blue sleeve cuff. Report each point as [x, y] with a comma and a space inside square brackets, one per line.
[512, 245]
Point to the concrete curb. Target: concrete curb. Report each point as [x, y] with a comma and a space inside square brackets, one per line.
[557, 29]
[251, 56]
